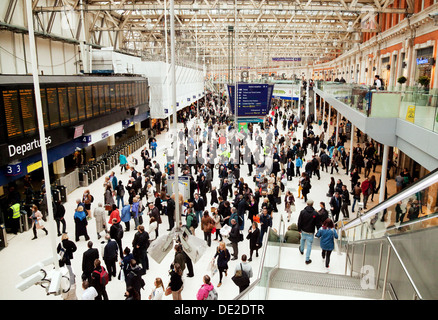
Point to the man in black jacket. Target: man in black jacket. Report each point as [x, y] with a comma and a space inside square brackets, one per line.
[110, 256]
[234, 238]
[88, 259]
[307, 222]
[140, 245]
[335, 206]
[116, 233]
[170, 212]
[198, 206]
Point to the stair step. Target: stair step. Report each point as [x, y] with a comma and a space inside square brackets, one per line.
[323, 283]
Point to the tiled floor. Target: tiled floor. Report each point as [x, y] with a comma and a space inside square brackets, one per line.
[22, 252]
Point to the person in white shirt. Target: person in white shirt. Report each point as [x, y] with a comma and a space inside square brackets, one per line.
[245, 267]
[157, 292]
[89, 293]
[377, 82]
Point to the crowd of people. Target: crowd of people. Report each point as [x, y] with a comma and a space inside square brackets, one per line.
[214, 154]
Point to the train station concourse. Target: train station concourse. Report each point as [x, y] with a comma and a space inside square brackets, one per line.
[248, 152]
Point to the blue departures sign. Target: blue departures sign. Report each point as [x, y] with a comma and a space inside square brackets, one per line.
[253, 100]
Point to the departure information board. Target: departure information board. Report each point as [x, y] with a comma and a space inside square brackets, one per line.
[95, 90]
[52, 104]
[118, 99]
[12, 113]
[63, 106]
[107, 99]
[44, 106]
[101, 99]
[88, 102]
[27, 111]
[252, 99]
[72, 104]
[81, 102]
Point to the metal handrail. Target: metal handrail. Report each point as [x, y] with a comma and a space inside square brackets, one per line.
[404, 269]
[259, 274]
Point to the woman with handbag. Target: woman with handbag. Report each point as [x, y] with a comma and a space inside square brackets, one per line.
[289, 204]
[37, 221]
[223, 256]
[207, 225]
[328, 234]
[254, 240]
[175, 284]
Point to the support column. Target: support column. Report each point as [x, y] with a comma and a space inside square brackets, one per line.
[307, 101]
[111, 141]
[351, 148]
[383, 174]
[337, 126]
[137, 127]
[59, 168]
[323, 110]
[315, 116]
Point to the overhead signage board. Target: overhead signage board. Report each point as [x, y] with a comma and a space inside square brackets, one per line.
[292, 59]
[253, 100]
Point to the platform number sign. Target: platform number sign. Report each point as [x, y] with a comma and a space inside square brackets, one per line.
[13, 169]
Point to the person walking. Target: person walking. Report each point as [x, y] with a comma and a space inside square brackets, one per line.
[123, 163]
[134, 278]
[110, 253]
[205, 289]
[158, 291]
[244, 267]
[116, 233]
[327, 233]
[223, 256]
[307, 222]
[207, 225]
[335, 206]
[234, 238]
[80, 218]
[140, 244]
[98, 281]
[37, 222]
[254, 240]
[99, 216]
[88, 258]
[176, 283]
[59, 217]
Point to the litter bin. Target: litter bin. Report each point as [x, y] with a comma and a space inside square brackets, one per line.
[3, 237]
[83, 177]
[24, 221]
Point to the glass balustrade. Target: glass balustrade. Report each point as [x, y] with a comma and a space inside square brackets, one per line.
[417, 105]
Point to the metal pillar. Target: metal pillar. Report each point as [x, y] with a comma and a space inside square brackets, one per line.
[350, 161]
[39, 113]
[337, 126]
[383, 174]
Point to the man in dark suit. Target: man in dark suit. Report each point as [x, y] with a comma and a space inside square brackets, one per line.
[290, 169]
[88, 261]
[335, 205]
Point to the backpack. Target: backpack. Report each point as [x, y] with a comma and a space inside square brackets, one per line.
[194, 221]
[212, 295]
[62, 255]
[92, 198]
[103, 276]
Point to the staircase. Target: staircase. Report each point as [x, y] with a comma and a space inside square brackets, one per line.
[321, 283]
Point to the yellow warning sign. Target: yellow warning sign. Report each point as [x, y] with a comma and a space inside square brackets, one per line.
[410, 114]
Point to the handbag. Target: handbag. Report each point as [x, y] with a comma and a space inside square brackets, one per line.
[168, 291]
[108, 207]
[240, 278]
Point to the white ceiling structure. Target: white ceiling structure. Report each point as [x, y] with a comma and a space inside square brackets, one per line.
[262, 29]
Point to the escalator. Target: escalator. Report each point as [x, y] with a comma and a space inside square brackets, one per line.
[389, 259]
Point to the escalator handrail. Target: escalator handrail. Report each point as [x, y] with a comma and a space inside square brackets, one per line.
[421, 184]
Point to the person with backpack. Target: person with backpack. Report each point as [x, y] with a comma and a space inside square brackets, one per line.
[99, 280]
[207, 290]
[116, 233]
[243, 269]
[191, 221]
[134, 278]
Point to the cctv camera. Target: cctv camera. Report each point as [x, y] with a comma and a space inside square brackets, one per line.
[31, 280]
[31, 270]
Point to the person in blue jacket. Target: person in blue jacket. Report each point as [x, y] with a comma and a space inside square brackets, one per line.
[327, 234]
[123, 162]
[298, 165]
[126, 216]
[154, 148]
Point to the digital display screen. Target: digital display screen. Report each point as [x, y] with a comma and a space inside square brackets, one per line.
[72, 104]
[12, 113]
[81, 102]
[118, 100]
[44, 106]
[63, 106]
[101, 99]
[107, 99]
[95, 100]
[88, 102]
[27, 111]
[52, 104]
